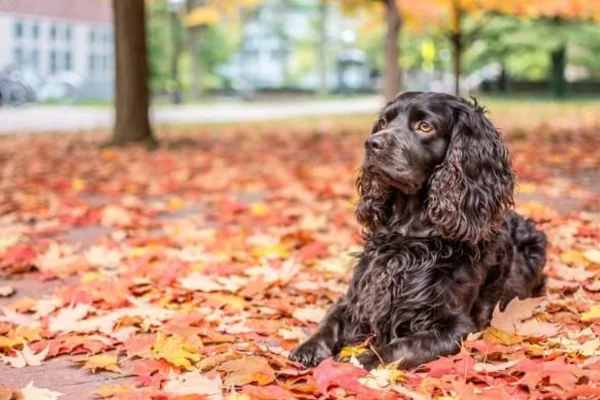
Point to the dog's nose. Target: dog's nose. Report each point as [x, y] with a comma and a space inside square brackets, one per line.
[376, 142]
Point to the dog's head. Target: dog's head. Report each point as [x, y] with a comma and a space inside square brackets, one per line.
[442, 148]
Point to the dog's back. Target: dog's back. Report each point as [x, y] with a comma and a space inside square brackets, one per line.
[530, 245]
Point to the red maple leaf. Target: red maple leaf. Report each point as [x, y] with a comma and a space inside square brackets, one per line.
[331, 374]
[558, 372]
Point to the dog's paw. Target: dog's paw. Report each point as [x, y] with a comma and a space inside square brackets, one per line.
[311, 353]
[369, 360]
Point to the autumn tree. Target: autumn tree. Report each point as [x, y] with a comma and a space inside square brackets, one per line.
[392, 15]
[131, 90]
[560, 16]
[201, 14]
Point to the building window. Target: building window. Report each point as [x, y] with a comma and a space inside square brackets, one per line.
[92, 36]
[92, 63]
[68, 61]
[68, 33]
[18, 27]
[34, 58]
[35, 30]
[18, 56]
[105, 63]
[53, 62]
[53, 32]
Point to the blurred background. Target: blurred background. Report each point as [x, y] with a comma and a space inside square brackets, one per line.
[204, 50]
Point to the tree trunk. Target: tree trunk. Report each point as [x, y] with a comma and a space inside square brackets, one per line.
[392, 81]
[457, 47]
[322, 45]
[503, 79]
[176, 43]
[132, 95]
[558, 79]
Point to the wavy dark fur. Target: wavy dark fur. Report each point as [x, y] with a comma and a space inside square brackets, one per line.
[442, 247]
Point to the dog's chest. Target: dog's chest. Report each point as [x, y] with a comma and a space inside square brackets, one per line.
[399, 291]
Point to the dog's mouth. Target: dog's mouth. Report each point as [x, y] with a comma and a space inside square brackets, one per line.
[392, 177]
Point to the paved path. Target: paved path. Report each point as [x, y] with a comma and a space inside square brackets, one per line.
[30, 119]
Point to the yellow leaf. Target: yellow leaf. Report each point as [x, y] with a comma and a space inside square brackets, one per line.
[526, 188]
[350, 351]
[78, 184]
[592, 314]
[259, 209]
[104, 362]
[202, 16]
[8, 343]
[176, 203]
[175, 350]
[499, 336]
[109, 391]
[573, 257]
[275, 251]
[29, 333]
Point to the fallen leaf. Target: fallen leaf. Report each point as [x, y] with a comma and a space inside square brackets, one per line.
[270, 392]
[593, 313]
[194, 383]
[103, 362]
[31, 392]
[592, 255]
[330, 374]
[558, 372]
[175, 350]
[309, 314]
[26, 357]
[7, 291]
[114, 391]
[251, 369]
[497, 367]
[67, 318]
[516, 311]
[512, 319]
[499, 336]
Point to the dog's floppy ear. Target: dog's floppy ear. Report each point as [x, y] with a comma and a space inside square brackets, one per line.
[374, 206]
[472, 187]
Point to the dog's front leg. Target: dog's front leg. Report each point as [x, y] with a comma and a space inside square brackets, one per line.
[326, 341]
[421, 347]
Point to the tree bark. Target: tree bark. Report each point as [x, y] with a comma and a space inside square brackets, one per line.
[392, 81]
[558, 79]
[457, 46]
[322, 46]
[176, 96]
[131, 84]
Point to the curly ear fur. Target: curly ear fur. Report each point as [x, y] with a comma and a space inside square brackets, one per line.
[470, 190]
[374, 206]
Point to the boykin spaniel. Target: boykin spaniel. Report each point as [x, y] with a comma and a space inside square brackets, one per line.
[442, 246]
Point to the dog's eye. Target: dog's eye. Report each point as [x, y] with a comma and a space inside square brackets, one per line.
[424, 127]
[382, 123]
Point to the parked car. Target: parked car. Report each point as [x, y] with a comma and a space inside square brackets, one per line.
[23, 84]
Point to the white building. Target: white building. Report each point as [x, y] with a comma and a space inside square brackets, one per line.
[54, 36]
[276, 40]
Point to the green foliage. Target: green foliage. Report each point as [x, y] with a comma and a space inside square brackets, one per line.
[159, 45]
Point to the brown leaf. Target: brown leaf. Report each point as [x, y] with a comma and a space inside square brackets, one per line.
[500, 336]
[252, 369]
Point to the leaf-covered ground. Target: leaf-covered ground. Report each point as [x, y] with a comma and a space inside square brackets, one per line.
[191, 271]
